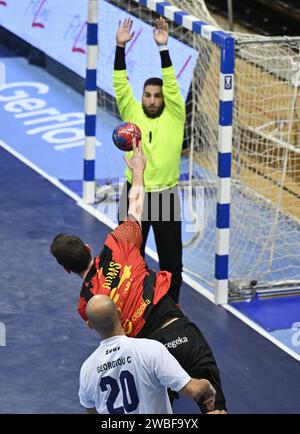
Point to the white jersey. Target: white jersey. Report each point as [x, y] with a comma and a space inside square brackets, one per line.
[130, 375]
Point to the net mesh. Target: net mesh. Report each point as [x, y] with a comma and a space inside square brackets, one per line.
[265, 192]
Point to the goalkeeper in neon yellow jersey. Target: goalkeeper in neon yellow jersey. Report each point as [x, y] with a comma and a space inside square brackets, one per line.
[161, 118]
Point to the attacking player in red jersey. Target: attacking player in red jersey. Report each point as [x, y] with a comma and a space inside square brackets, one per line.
[121, 272]
[140, 295]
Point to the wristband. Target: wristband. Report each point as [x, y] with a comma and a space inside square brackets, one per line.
[162, 47]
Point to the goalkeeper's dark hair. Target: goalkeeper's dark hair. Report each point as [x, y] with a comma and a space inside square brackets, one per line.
[153, 81]
[71, 252]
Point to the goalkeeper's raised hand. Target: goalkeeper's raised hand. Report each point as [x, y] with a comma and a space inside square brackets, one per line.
[161, 31]
[124, 34]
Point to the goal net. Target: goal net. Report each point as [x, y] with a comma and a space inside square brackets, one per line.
[265, 189]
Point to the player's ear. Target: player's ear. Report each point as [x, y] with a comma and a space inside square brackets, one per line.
[90, 325]
[88, 248]
[119, 314]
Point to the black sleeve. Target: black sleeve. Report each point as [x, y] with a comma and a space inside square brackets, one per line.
[165, 59]
[120, 59]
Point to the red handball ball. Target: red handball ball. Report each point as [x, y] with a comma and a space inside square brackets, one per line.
[123, 135]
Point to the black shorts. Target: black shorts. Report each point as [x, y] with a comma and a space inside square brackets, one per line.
[187, 344]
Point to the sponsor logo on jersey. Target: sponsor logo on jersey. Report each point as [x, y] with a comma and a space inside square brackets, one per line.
[112, 350]
[113, 271]
[127, 325]
[141, 309]
[176, 342]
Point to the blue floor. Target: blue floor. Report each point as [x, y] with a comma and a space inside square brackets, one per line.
[280, 316]
[47, 341]
[277, 313]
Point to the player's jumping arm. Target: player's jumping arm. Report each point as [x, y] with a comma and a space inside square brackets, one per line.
[137, 191]
[130, 230]
[196, 389]
[123, 92]
[172, 96]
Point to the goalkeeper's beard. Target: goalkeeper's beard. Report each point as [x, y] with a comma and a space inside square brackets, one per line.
[153, 115]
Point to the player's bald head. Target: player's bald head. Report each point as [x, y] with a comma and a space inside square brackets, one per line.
[102, 314]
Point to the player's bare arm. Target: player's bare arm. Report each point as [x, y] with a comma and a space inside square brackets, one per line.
[200, 388]
[137, 165]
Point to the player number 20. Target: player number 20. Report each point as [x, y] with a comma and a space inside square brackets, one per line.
[126, 380]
